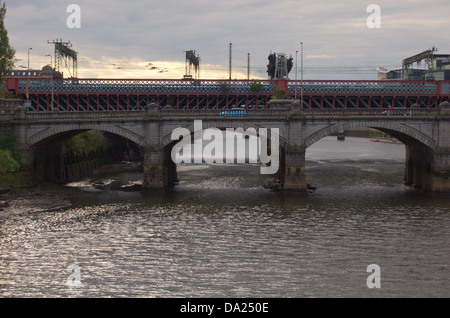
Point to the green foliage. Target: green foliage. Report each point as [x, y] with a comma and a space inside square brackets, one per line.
[7, 139]
[279, 93]
[10, 95]
[289, 116]
[10, 158]
[85, 143]
[15, 180]
[256, 86]
[8, 142]
[6, 51]
[442, 174]
[7, 163]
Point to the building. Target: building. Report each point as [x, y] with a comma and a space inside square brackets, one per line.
[436, 67]
[46, 72]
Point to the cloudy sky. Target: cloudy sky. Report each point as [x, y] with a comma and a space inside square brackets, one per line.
[118, 39]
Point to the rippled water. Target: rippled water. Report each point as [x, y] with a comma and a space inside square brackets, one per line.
[221, 234]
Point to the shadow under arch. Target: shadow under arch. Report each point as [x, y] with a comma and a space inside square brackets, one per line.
[419, 148]
[48, 161]
[160, 171]
[404, 133]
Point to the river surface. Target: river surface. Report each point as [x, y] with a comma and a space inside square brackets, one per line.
[221, 234]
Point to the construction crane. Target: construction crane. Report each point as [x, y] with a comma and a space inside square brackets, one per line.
[425, 55]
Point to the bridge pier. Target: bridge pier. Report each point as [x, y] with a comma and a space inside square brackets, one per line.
[160, 172]
[153, 178]
[429, 169]
[293, 169]
[418, 167]
[158, 169]
[440, 173]
[440, 169]
[28, 161]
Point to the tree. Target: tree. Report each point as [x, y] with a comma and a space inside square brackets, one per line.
[8, 141]
[6, 51]
[256, 86]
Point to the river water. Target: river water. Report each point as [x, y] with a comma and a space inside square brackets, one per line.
[221, 234]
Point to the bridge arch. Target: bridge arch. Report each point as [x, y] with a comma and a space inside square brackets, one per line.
[50, 132]
[47, 161]
[402, 132]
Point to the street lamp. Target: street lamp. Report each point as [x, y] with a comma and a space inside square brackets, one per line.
[51, 67]
[296, 52]
[248, 66]
[29, 57]
[231, 48]
[28, 70]
[301, 86]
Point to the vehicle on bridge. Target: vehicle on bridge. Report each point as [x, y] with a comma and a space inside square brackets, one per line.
[234, 112]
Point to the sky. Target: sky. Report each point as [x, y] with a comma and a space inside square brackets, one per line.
[148, 39]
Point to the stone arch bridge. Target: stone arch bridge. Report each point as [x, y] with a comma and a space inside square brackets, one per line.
[425, 132]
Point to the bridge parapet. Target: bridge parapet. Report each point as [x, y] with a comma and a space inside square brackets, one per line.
[444, 110]
[370, 112]
[224, 113]
[62, 115]
[7, 106]
[276, 113]
[6, 117]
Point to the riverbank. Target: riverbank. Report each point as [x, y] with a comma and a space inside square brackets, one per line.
[20, 195]
[17, 180]
[363, 133]
[40, 197]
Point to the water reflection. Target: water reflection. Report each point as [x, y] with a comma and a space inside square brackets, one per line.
[222, 234]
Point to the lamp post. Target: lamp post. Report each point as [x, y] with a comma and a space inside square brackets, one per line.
[296, 52]
[28, 71]
[231, 45]
[29, 57]
[301, 86]
[248, 66]
[51, 67]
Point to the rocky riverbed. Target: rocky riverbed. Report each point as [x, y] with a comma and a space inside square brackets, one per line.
[41, 197]
[44, 196]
